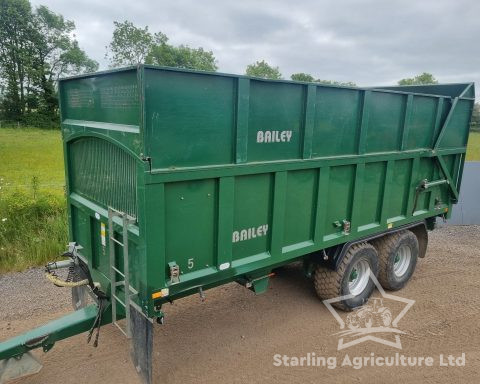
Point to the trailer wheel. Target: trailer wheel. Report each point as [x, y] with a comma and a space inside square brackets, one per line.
[351, 277]
[397, 257]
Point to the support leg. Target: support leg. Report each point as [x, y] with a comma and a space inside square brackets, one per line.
[17, 367]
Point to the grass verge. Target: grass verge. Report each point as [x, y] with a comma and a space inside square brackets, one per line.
[33, 230]
[33, 222]
[31, 156]
[473, 148]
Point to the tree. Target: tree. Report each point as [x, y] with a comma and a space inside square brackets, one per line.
[302, 77]
[333, 82]
[475, 124]
[57, 54]
[36, 47]
[15, 54]
[182, 57]
[423, 79]
[131, 45]
[309, 78]
[264, 70]
[56, 48]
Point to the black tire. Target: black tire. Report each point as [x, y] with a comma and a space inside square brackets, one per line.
[330, 284]
[388, 247]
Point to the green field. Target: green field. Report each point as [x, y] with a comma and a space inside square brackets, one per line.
[33, 226]
[32, 203]
[473, 149]
[31, 158]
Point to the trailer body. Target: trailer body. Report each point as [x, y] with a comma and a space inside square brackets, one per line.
[178, 181]
[227, 176]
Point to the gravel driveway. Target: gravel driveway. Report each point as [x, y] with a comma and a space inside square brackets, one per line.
[233, 335]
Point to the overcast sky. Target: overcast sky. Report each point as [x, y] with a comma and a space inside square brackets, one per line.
[368, 42]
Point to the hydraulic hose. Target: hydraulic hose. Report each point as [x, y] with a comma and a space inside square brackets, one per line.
[62, 283]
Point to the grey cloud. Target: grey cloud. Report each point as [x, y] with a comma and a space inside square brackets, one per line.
[368, 42]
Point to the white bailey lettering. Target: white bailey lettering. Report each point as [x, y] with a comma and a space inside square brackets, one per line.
[236, 236]
[264, 229]
[259, 231]
[260, 137]
[274, 136]
[249, 233]
[243, 235]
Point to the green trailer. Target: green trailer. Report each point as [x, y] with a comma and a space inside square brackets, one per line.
[179, 181]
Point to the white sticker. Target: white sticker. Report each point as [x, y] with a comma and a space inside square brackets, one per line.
[97, 215]
[102, 234]
[224, 266]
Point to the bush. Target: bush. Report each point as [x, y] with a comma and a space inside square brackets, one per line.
[32, 119]
[33, 229]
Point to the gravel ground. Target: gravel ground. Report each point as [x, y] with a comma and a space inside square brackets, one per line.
[24, 293]
[233, 336]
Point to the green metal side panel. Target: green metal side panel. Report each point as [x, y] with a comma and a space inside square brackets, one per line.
[230, 176]
[300, 206]
[340, 190]
[190, 211]
[421, 125]
[372, 194]
[453, 138]
[336, 122]
[104, 105]
[384, 131]
[252, 227]
[109, 99]
[189, 119]
[397, 207]
[275, 126]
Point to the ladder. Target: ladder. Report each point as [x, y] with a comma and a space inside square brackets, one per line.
[126, 220]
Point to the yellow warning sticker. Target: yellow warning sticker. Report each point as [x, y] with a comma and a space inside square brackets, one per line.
[163, 293]
[102, 234]
[389, 225]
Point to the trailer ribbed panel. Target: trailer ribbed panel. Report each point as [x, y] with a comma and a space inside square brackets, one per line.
[103, 172]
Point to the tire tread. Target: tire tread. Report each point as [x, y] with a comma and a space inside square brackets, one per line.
[328, 282]
[385, 245]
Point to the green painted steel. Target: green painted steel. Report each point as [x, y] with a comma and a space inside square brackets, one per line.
[230, 176]
[45, 336]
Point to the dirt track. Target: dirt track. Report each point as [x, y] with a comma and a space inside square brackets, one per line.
[233, 336]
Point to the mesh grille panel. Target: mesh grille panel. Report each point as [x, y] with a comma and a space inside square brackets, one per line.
[102, 172]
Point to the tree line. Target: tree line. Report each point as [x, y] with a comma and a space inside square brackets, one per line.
[37, 46]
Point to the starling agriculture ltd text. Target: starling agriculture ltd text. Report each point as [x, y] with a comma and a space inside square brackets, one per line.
[359, 362]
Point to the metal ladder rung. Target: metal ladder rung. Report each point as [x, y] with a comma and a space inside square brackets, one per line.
[116, 241]
[120, 301]
[120, 328]
[116, 270]
[126, 220]
[133, 291]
